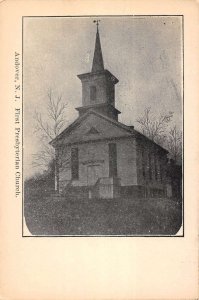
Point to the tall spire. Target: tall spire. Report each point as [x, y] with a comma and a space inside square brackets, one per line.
[98, 64]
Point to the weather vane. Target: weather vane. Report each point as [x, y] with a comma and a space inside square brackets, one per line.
[97, 22]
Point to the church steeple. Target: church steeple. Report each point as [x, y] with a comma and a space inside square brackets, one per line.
[98, 64]
[98, 86]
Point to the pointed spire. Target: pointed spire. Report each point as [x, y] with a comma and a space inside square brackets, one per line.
[98, 64]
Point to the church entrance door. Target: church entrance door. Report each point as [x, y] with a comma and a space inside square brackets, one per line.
[94, 172]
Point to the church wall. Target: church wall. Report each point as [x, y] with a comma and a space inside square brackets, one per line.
[96, 153]
[126, 153]
[132, 159]
[101, 95]
[93, 154]
[64, 166]
[108, 112]
[110, 89]
[151, 166]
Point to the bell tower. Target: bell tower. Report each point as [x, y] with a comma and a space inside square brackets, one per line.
[98, 86]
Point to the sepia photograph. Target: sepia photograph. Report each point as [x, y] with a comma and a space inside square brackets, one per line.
[103, 125]
[99, 116]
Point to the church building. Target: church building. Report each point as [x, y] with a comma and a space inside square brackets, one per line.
[98, 156]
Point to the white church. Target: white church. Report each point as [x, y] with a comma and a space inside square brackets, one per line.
[105, 158]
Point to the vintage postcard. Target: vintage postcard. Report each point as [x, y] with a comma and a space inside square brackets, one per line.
[100, 197]
[103, 157]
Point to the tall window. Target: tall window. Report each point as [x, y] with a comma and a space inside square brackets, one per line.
[143, 166]
[156, 167]
[112, 160]
[161, 171]
[74, 163]
[93, 93]
[150, 166]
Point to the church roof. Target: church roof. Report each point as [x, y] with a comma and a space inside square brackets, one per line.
[143, 137]
[129, 129]
[98, 63]
[81, 119]
[105, 72]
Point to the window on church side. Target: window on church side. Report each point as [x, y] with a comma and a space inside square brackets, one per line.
[143, 166]
[112, 160]
[156, 169]
[93, 93]
[74, 163]
[161, 171]
[150, 167]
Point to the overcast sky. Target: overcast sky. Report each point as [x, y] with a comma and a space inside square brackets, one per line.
[144, 53]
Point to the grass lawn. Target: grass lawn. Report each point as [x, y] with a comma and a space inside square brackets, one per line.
[49, 215]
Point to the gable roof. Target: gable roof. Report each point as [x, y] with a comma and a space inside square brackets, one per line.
[79, 120]
[129, 129]
[142, 136]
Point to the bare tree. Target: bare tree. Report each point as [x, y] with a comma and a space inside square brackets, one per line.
[154, 127]
[47, 127]
[158, 129]
[174, 144]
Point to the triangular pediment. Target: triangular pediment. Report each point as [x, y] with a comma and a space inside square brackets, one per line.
[93, 130]
[92, 126]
